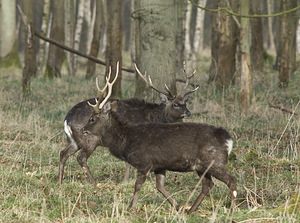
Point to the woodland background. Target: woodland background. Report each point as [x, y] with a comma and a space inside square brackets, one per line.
[246, 57]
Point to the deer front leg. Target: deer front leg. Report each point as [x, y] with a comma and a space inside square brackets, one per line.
[141, 178]
[82, 160]
[160, 185]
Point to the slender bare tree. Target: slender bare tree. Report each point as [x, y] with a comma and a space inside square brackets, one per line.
[98, 28]
[7, 29]
[114, 41]
[44, 46]
[256, 24]
[223, 48]
[56, 55]
[69, 33]
[287, 45]
[30, 67]
[78, 30]
[246, 77]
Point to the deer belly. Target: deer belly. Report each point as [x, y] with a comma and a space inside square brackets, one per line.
[181, 165]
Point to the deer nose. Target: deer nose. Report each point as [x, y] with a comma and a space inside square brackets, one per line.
[188, 113]
[85, 132]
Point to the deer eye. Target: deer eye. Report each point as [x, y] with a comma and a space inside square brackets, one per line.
[175, 105]
[92, 119]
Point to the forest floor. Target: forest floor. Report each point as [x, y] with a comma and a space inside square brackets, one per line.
[265, 158]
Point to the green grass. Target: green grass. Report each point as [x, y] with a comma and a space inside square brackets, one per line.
[265, 160]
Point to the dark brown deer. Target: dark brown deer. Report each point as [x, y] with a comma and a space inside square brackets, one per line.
[161, 147]
[172, 109]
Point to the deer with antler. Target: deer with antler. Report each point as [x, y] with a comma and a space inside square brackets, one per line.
[162, 147]
[172, 109]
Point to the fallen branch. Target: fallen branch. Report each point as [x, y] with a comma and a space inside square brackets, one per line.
[60, 45]
[283, 109]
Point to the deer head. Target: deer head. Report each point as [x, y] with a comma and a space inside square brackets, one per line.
[175, 104]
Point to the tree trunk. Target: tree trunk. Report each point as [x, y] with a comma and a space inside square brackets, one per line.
[257, 48]
[30, 67]
[188, 39]
[208, 23]
[246, 79]
[158, 24]
[137, 16]
[223, 49]
[56, 55]
[114, 41]
[78, 29]
[276, 27]
[43, 44]
[199, 25]
[90, 17]
[271, 44]
[69, 33]
[180, 6]
[7, 26]
[193, 34]
[98, 28]
[126, 23]
[287, 51]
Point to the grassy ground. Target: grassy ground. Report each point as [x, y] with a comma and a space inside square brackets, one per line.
[265, 160]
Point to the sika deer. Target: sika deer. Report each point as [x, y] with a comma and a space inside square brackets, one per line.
[161, 147]
[173, 109]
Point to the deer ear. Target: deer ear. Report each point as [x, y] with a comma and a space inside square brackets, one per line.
[163, 98]
[186, 98]
[114, 106]
[107, 107]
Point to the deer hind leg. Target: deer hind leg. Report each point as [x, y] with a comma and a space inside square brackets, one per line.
[63, 157]
[140, 180]
[160, 185]
[82, 160]
[207, 185]
[229, 180]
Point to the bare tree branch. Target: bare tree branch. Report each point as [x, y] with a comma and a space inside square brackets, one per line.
[60, 45]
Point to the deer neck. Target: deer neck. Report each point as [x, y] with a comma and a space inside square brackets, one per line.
[115, 139]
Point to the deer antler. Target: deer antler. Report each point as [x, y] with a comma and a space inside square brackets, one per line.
[187, 81]
[189, 92]
[100, 102]
[149, 83]
[109, 85]
[101, 92]
[187, 77]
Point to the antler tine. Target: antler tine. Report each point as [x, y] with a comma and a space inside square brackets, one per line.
[187, 81]
[95, 106]
[154, 88]
[149, 81]
[169, 91]
[109, 85]
[189, 92]
[100, 92]
[187, 77]
[108, 75]
[141, 75]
